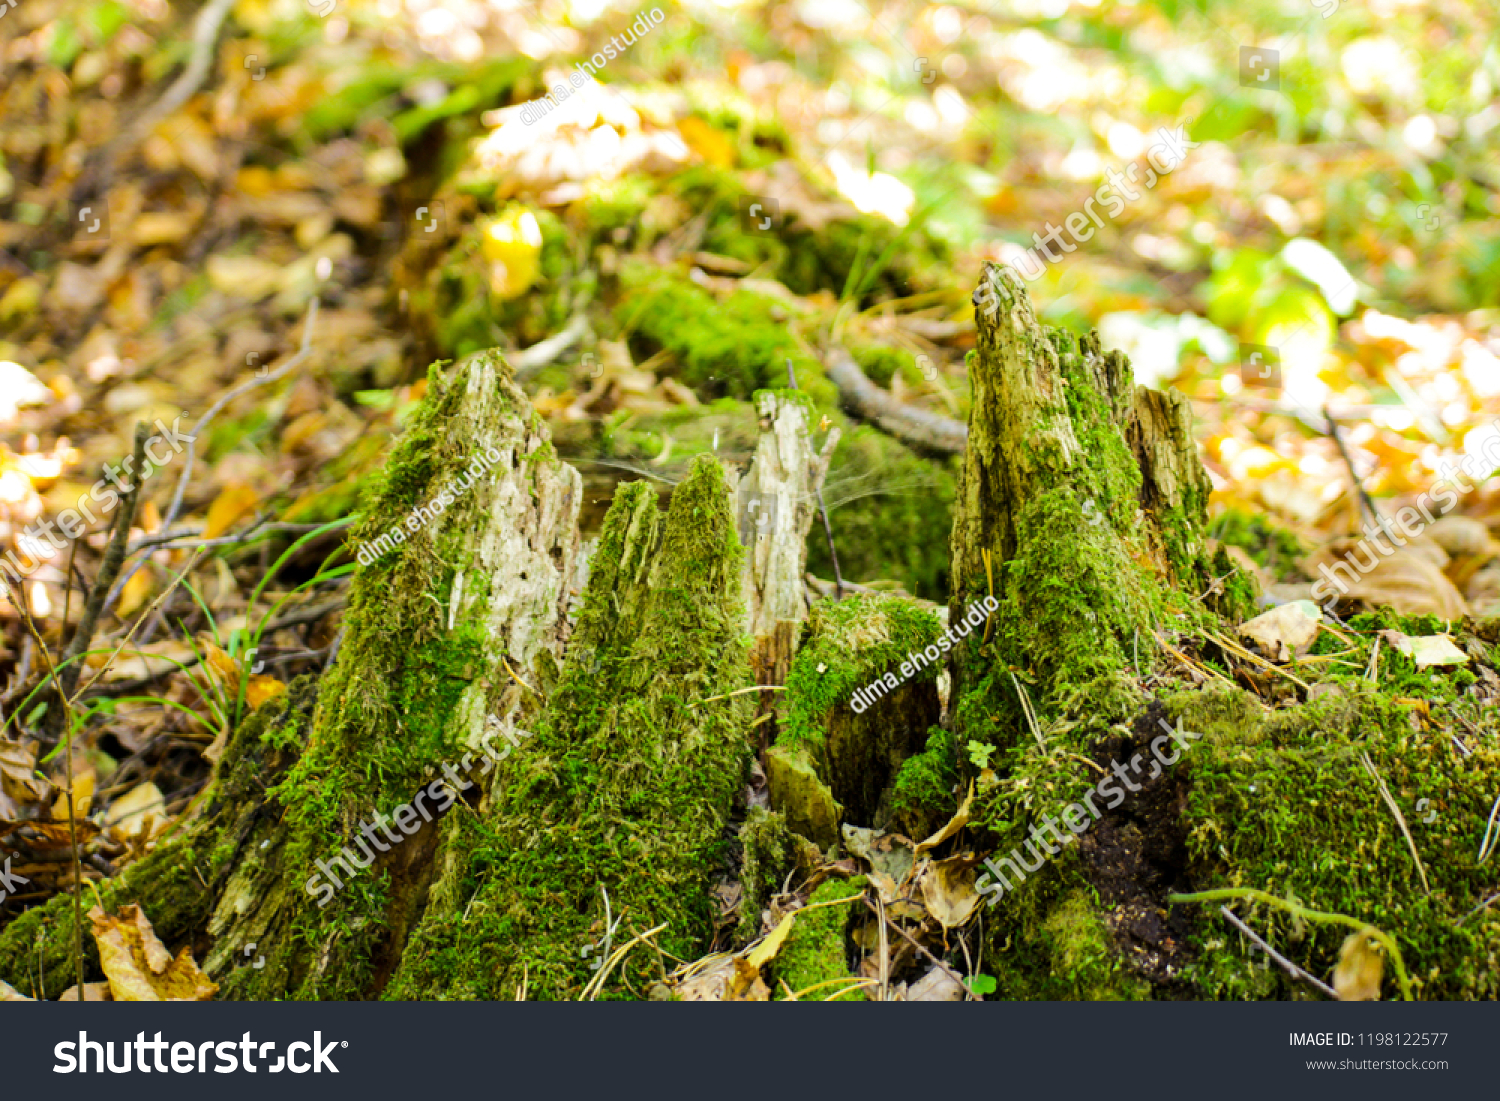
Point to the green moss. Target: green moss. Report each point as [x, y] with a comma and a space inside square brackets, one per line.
[816, 953]
[769, 853]
[1052, 941]
[734, 346]
[847, 645]
[922, 796]
[1270, 545]
[1299, 816]
[628, 783]
[857, 645]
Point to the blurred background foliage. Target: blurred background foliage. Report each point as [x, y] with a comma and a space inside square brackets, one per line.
[1334, 202]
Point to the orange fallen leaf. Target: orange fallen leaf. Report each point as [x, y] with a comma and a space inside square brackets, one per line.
[262, 689]
[236, 500]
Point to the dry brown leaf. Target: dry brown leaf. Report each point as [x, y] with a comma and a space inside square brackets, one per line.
[18, 779]
[139, 967]
[1357, 975]
[959, 820]
[9, 993]
[1286, 630]
[936, 986]
[948, 889]
[92, 992]
[1406, 580]
[244, 276]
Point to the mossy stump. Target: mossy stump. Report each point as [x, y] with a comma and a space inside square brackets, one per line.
[464, 550]
[625, 792]
[1081, 509]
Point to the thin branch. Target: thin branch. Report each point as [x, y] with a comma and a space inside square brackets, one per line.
[1385, 794]
[191, 451]
[1286, 965]
[952, 974]
[109, 569]
[1366, 504]
[213, 410]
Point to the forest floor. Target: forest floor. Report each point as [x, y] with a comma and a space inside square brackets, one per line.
[267, 264]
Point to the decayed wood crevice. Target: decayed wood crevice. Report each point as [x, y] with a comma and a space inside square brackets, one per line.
[626, 789]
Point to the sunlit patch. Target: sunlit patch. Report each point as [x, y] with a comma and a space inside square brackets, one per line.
[41, 603]
[1420, 133]
[872, 193]
[1125, 141]
[1082, 163]
[1378, 64]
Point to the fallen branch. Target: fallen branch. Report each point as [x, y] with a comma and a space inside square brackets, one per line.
[918, 428]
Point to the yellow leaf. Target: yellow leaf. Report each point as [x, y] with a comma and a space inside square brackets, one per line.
[139, 967]
[512, 243]
[262, 689]
[235, 500]
[708, 142]
[134, 595]
[83, 795]
[1356, 977]
[224, 668]
[137, 812]
[764, 952]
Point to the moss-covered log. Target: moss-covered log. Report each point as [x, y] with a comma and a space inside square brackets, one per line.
[628, 784]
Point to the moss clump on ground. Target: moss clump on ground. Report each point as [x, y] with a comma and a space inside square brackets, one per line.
[1268, 544]
[857, 251]
[731, 346]
[628, 783]
[1298, 815]
[1057, 943]
[814, 962]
